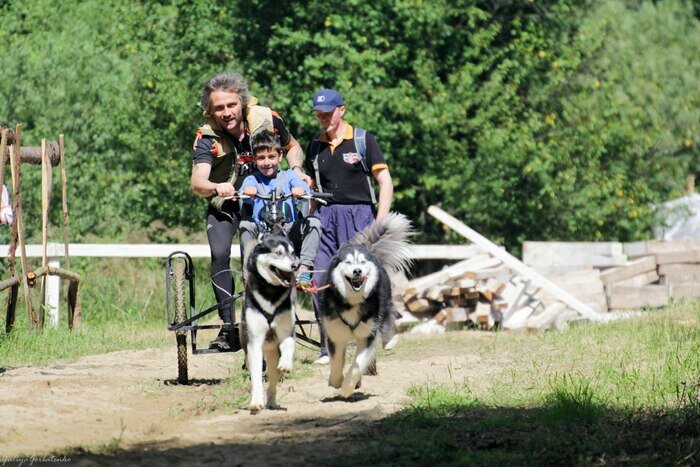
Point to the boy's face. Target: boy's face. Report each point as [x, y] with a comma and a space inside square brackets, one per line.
[268, 162]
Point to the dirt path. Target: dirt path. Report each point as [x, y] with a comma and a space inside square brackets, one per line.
[128, 399]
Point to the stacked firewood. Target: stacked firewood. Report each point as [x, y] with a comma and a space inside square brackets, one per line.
[492, 289]
[480, 292]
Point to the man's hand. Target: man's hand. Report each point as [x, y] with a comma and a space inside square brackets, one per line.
[297, 192]
[305, 178]
[225, 189]
[250, 191]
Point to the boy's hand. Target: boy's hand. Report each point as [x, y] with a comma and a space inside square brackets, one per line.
[297, 192]
[250, 191]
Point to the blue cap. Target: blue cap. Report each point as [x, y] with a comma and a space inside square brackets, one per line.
[327, 100]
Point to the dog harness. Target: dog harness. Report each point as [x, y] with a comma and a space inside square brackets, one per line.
[268, 316]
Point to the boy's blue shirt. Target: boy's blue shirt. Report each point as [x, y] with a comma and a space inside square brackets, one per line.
[291, 180]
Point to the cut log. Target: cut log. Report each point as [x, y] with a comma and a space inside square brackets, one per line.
[32, 155]
[456, 315]
[419, 305]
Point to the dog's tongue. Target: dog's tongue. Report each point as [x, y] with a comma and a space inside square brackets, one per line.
[358, 281]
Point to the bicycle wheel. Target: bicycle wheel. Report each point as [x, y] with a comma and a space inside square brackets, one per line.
[178, 280]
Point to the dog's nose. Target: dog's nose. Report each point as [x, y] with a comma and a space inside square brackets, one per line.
[357, 272]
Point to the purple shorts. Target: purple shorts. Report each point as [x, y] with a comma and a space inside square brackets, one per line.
[339, 223]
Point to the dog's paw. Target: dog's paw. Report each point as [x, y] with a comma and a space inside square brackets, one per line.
[255, 408]
[272, 405]
[346, 391]
[335, 382]
[359, 383]
[284, 367]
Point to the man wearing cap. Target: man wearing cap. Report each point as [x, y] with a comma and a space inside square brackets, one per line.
[342, 168]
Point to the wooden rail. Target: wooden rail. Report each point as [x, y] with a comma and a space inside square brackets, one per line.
[159, 250]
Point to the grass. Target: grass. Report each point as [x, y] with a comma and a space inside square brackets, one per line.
[626, 392]
[622, 393]
[123, 307]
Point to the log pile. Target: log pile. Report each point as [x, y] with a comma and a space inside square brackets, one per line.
[556, 283]
[482, 293]
[488, 290]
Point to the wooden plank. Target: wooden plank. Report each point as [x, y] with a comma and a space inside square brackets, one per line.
[641, 279]
[582, 276]
[651, 247]
[680, 273]
[599, 254]
[542, 320]
[624, 297]
[451, 272]
[633, 268]
[452, 252]
[514, 294]
[512, 262]
[688, 256]
[689, 290]
[518, 318]
[136, 250]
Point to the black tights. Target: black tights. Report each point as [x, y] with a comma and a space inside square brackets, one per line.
[220, 231]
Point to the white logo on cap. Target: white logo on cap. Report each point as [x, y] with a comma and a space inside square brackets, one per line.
[321, 99]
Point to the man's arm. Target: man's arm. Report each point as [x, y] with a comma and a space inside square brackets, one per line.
[295, 159]
[203, 187]
[386, 191]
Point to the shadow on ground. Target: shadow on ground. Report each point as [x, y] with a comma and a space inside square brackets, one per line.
[562, 433]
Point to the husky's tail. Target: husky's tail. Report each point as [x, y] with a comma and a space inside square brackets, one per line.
[387, 239]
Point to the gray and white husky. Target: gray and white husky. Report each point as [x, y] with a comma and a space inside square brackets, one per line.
[267, 322]
[357, 306]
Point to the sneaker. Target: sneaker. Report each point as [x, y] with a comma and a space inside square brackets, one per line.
[303, 279]
[227, 340]
[221, 342]
[323, 360]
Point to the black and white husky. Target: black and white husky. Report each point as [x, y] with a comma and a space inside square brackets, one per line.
[357, 306]
[267, 322]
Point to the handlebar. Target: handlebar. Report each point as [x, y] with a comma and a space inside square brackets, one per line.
[320, 197]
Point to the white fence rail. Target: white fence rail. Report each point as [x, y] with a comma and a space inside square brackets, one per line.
[56, 251]
[159, 250]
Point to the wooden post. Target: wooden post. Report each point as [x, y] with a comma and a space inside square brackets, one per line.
[513, 263]
[32, 320]
[11, 301]
[64, 195]
[45, 187]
